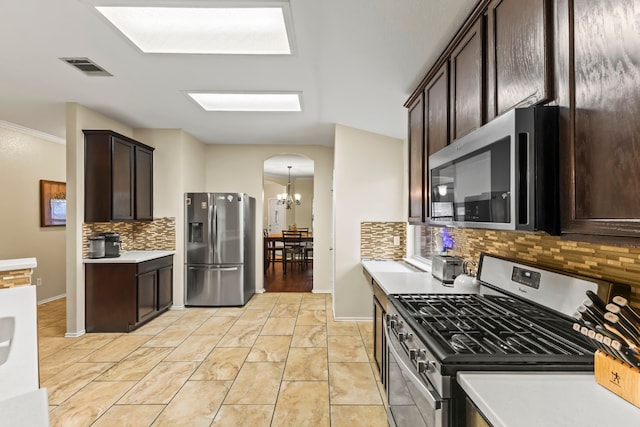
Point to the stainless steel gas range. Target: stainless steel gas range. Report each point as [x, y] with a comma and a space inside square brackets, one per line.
[520, 320]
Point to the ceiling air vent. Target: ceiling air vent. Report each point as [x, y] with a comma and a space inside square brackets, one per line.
[87, 66]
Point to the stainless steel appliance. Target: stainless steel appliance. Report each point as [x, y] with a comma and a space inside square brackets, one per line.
[219, 249]
[111, 244]
[96, 247]
[503, 175]
[446, 268]
[518, 321]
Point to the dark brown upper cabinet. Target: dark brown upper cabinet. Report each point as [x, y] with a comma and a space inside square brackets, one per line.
[467, 78]
[118, 178]
[519, 54]
[599, 125]
[416, 156]
[436, 113]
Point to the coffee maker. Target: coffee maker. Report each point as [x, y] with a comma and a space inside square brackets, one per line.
[111, 244]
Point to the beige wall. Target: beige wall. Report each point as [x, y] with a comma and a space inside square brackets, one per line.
[25, 159]
[239, 168]
[369, 186]
[272, 187]
[178, 168]
[303, 213]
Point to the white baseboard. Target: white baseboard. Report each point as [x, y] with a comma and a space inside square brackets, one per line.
[260, 291]
[321, 291]
[52, 299]
[75, 334]
[177, 307]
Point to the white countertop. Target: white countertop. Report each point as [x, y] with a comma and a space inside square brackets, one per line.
[17, 264]
[129, 257]
[395, 277]
[534, 399]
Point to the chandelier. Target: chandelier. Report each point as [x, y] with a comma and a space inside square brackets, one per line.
[287, 198]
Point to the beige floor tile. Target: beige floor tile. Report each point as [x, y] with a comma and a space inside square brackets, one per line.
[306, 364]
[117, 349]
[60, 360]
[290, 298]
[215, 325]
[358, 416]
[68, 381]
[342, 328]
[244, 415]
[195, 404]
[353, 384]
[194, 348]
[240, 336]
[194, 316]
[309, 336]
[257, 383]
[85, 407]
[221, 364]
[129, 416]
[279, 326]
[136, 365]
[313, 304]
[160, 384]
[302, 403]
[345, 348]
[54, 329]
[270, 349]
[172, 336]
[311, 317]
[48, 346]
[148, 329]
[93, 341]
[257, 316]
[229, 312]
[285, 310]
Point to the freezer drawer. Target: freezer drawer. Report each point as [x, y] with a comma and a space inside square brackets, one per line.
[215, 285]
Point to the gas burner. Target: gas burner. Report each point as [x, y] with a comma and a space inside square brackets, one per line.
[463, 344]
[463, 324]
[427, 310]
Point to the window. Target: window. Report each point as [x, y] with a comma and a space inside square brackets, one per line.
[422, 243]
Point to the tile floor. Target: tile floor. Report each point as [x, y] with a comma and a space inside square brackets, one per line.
[279, 361]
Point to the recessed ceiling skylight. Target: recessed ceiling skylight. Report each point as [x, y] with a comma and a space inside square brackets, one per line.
[247, 101]
[208, 30]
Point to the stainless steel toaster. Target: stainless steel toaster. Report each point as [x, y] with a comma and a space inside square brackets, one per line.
[446, 268]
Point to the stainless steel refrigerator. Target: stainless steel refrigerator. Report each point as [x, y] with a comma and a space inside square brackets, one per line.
[219, 249]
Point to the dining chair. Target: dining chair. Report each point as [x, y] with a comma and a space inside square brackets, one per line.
[293, 250]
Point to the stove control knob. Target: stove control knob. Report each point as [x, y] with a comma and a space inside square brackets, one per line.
[402, 336]
[391, 320]
[425, 366]
[413, 353]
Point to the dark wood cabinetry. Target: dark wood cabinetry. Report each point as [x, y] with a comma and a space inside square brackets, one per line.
[519, 54]
[436, 112]
[599, 56]
[467, 82]
[118, 178]
[119, 297]
[380, 301]
[416, 158]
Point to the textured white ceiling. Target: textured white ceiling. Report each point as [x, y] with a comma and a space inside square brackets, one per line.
[356, 62]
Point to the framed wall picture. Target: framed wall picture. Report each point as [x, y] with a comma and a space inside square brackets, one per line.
[53, 203]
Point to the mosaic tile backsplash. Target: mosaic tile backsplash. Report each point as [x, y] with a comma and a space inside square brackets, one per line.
[376, 240]
[159, 234]
[612, 263]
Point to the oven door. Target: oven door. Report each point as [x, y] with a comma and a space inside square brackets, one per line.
[411, 402]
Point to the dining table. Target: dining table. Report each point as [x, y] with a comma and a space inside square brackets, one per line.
[271, 239]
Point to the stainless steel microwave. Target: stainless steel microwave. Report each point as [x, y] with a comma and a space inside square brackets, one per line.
[504, 175]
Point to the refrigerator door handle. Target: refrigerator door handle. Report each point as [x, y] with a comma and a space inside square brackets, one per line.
[214, 268]
[214, 243]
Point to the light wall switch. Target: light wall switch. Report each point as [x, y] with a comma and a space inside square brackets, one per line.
[396, 240]
[39, 281]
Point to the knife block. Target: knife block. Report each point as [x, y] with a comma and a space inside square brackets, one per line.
[617, 377]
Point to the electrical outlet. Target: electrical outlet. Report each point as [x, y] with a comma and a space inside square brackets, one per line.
[39, 281]
[396, 240]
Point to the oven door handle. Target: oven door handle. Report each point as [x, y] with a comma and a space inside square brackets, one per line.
[434, 401]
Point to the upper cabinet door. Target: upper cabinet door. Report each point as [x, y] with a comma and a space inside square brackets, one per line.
[436, 112]
[467, 77]
[144, 184]
[122, 180]
[600, 129]
[416, 155]
[519, 54]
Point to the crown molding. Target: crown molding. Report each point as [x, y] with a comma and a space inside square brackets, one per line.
[33, 132]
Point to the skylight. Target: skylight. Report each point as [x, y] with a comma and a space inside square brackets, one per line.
[211, 101]
[204, 30]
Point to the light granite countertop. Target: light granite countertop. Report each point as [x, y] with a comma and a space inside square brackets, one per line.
[17, 264]
[129, 257]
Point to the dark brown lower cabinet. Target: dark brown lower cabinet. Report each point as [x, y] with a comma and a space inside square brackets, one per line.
[120, 297]
[379, 341]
